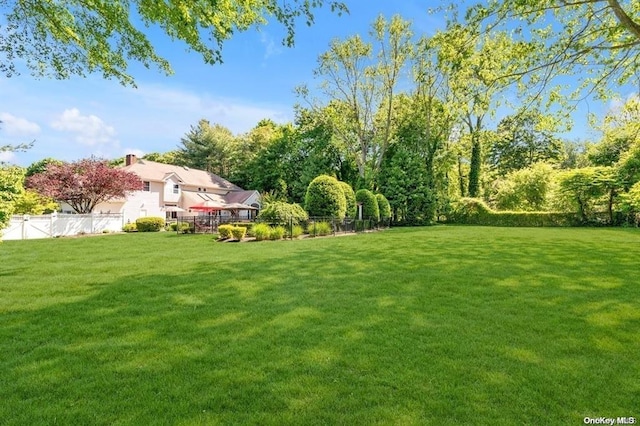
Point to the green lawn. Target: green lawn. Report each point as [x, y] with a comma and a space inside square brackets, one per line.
[441, 325]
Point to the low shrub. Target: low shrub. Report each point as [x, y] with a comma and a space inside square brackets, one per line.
[225, 231]
[277, 233]
[295, 231]
[149, 224]
[245, 225]
[238, 232]
[130, 227]
[173, 226]
[261, 231]
[319, 228]
[187, 228]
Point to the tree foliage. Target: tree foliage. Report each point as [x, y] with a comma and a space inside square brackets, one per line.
[40, 166]
[209, 147]
[621, 130]
[597, 41]
[325, 198]
[475, 64]
[64, 38]
[11, 178]
[361, 79]
[521, 141]
[526, 189]
[589, 188]
[84, 184]
[33, 203]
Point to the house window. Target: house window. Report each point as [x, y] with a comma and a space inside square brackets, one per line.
[176, 188]
[145, 185]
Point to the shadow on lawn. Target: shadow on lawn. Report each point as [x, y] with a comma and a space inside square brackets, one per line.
[390, 334]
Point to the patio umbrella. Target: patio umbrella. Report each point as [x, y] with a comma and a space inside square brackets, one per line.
[172, 209]
[239, 206]
[235, 208]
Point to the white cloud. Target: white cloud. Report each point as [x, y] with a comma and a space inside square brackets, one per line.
[270, 46]
[88, 129]
[7, 157]
[16, 126]
[165, 107]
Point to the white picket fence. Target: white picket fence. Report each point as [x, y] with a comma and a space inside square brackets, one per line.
[60, 225]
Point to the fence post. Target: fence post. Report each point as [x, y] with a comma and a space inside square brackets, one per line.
[53, 217]
[25, 219]
[291, 227]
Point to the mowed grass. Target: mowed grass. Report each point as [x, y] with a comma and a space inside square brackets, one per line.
[441, 325]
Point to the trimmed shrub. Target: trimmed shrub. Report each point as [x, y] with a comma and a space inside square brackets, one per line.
[370, 209]
[129, 227]
[225, 231]
[279, 211]
[173, 226]
[384, 207]
[277, 232]
[472, 211]
[350, 198]
[149, 224]
[238, 232]
[261, 231]
[325, 197]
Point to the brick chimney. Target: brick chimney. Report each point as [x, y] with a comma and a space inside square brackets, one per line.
[131, 159]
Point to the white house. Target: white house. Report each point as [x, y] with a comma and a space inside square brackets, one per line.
[171, 191]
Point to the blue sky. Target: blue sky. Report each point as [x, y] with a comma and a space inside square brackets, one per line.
[77, 118]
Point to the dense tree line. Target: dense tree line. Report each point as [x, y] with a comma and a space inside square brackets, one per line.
[417, 118]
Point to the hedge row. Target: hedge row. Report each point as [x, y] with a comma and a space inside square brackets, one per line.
[471, 211]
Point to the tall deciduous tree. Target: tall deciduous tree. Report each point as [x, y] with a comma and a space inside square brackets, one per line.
[588, 188]
[598, 41]
[475, 64]
[621, 130]
[84, 184]
[68, 37]
[361, 79]
[522, 140]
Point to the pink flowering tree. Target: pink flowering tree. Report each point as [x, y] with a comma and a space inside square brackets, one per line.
[84, 184]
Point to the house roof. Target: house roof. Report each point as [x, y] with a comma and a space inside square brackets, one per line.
[192, 198]
[240, 197]
[158, 172]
